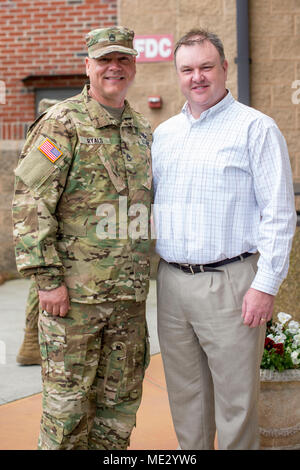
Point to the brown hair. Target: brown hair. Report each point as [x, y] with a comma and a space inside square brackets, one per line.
[197, 36]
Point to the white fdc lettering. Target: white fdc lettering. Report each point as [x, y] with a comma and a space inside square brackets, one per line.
[165, 47]
[151, 49]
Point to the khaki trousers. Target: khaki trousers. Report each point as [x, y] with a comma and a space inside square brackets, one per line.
[211, 359]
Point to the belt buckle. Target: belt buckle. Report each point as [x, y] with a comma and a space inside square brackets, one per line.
[188, 266]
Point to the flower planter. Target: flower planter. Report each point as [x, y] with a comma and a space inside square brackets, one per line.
[279, 409]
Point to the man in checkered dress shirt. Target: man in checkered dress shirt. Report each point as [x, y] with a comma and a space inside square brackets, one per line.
[225, 219]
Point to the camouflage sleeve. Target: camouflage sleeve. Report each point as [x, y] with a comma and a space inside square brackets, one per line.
[146, 133]
[40, 179]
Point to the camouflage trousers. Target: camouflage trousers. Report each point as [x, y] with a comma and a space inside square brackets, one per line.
[93, 364]
[32, 307]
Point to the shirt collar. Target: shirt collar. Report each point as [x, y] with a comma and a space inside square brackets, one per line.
[224, 103]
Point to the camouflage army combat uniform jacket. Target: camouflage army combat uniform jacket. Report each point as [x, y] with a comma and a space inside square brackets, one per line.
[77, 167]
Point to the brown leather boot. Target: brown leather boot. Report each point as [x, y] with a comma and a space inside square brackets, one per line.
[29, 353]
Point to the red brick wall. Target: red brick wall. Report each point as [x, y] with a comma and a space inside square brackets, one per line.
[45, 39]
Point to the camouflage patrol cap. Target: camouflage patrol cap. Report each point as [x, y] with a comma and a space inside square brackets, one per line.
[114, 39]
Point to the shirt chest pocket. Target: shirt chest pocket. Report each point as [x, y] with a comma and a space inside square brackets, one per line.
[127, 168]
[110, 156]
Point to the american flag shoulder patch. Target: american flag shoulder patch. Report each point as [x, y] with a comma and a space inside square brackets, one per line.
[50, 150]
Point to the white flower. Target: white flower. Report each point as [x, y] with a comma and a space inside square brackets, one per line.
[280, 338]
[293, 327]
[295, 358]
[283, 317]
[277, 327]
[296, 340]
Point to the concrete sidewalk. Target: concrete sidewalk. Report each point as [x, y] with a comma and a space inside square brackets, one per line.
[22, 381]
[20, 386]
[20, 419]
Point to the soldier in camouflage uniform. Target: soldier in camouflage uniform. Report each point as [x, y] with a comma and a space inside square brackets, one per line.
[83, 162]
[29, 353]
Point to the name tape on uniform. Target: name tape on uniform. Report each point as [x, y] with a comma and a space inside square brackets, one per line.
[98, 140]
[50, 150]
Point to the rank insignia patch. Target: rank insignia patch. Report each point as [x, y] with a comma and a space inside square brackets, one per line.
[50, 150]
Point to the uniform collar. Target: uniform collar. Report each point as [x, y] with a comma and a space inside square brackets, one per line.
[101, 118]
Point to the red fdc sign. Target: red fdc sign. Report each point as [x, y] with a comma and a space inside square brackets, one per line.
[155, 48]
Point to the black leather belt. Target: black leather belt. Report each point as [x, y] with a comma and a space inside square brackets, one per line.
[202, 268]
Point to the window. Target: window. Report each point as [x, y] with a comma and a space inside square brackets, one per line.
[53, 94]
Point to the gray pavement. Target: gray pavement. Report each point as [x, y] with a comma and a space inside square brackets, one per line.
[21, 381]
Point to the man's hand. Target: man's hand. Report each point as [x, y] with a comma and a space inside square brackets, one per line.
[257, 308]
[56, 301]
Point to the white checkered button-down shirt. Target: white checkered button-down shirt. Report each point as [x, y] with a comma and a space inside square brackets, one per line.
[223, 186]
